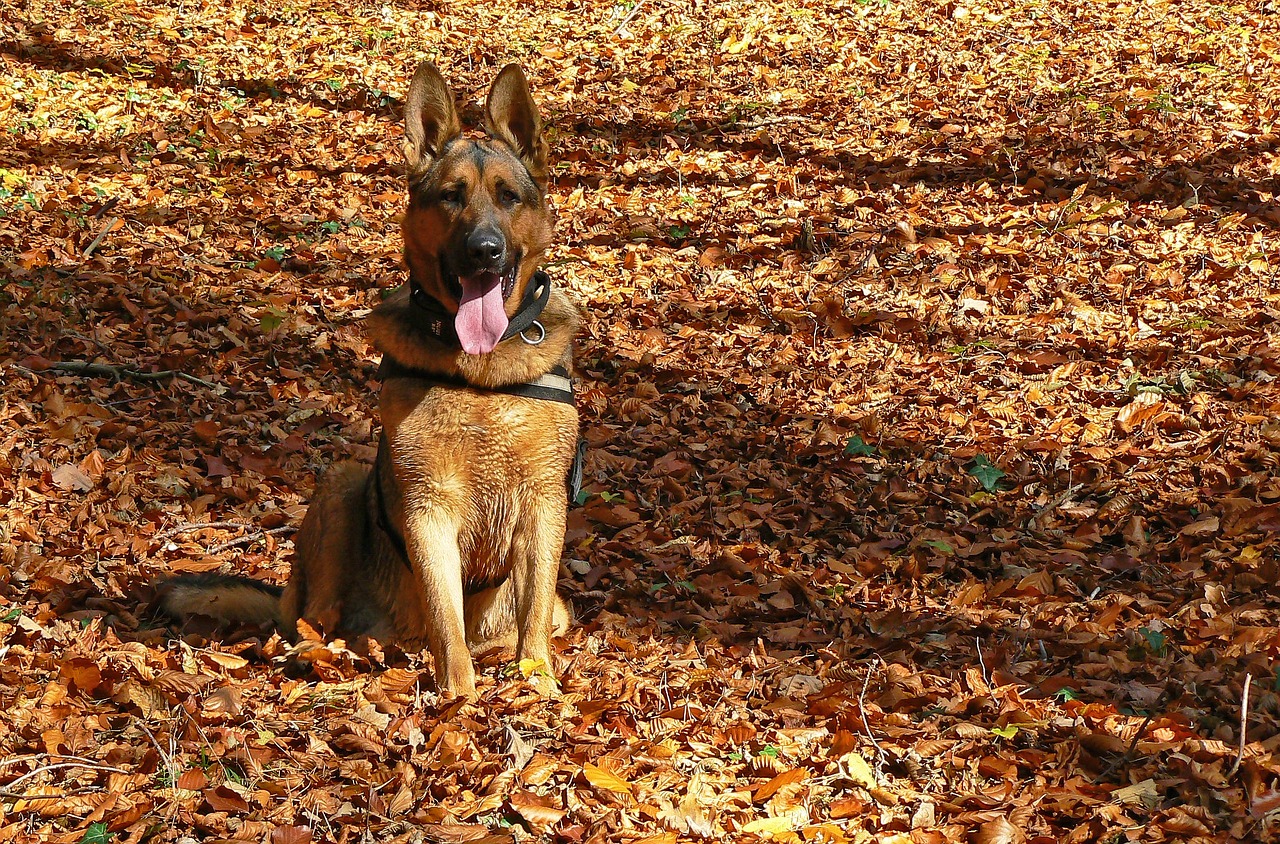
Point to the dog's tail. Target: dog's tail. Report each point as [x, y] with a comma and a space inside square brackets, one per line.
[234, 600]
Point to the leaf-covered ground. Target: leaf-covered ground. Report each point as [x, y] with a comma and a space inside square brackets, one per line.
[930, 381]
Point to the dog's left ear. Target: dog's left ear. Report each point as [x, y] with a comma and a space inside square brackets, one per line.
[511, 117]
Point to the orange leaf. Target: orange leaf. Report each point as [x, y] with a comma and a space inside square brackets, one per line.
[606, 779]
[773, 786]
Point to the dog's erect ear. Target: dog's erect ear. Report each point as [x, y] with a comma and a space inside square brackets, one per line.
[511, 117]
[430, 118]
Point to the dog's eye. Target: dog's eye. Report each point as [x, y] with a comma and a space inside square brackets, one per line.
[452, 195]
[509, 197]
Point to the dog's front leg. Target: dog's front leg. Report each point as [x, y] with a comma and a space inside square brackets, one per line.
[536, 582]
[433, 547]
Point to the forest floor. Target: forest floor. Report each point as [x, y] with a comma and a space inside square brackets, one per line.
[929, 376]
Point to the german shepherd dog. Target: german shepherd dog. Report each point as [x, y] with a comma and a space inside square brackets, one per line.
[453, 538]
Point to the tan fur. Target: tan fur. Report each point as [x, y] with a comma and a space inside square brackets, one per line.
[473, 480]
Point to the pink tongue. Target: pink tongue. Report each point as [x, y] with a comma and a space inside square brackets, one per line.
[481, 319]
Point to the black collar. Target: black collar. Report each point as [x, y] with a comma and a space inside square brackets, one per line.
[554, 385]
[439, 321]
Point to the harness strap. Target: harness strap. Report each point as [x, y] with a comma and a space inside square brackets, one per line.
[439, 320]
[554, 385]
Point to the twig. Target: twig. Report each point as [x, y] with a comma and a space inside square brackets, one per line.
[1165, 697]
[102, 347]
[631, 14]
[53, 766]
[188, 527]
[1244, 722]
[862, 710]
[776, 120]
[31, 757]
[106, 206]
[82, 367]
[764, 310]
[1058, 500]
[97, 241]
[250, 537]
[986, 675]
[1128, 754]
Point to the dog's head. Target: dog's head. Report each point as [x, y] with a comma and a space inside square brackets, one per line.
[478, 221]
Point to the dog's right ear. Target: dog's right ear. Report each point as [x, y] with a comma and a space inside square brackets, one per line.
[430, 118]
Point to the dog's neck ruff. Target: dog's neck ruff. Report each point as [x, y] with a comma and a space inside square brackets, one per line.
[438, 321]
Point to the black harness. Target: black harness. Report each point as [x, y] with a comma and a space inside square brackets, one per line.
[554, 385]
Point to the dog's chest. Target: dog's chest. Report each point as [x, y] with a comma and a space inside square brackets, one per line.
[495, 462]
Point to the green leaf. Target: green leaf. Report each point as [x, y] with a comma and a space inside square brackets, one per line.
[1155, 640]
[986, 472]
[271, 320]
[582, 497]
[1006, 732]
[855, 447]
[939, 545]
[96, 834]
[1066, 693]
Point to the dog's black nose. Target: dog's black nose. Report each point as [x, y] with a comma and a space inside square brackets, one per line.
[485, 247]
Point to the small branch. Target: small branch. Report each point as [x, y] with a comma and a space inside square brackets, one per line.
[1128, 754]
[31, 757]
[631, 14]
[1159, 705]
[1244, 722]
[53, 766]
[1058, 500]
[862, 710]
[986, 675]
[188, 527]
[119, 373]
[250, 537]
[97, 241]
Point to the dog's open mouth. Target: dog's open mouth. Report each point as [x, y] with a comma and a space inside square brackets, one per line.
[482, 316]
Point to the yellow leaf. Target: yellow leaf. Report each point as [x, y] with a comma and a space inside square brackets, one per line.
[606, 779]
[771, 826]
[230, 661]
[740, 45]
[1249, 556]
[529, 667]
[856, 768]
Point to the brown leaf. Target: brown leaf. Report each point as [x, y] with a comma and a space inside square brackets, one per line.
[541, 812]
[1207, 526]
[999, 831]
[193, 780]
[225, 799]
[71, 477]
[224, 700]
[291, 835]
